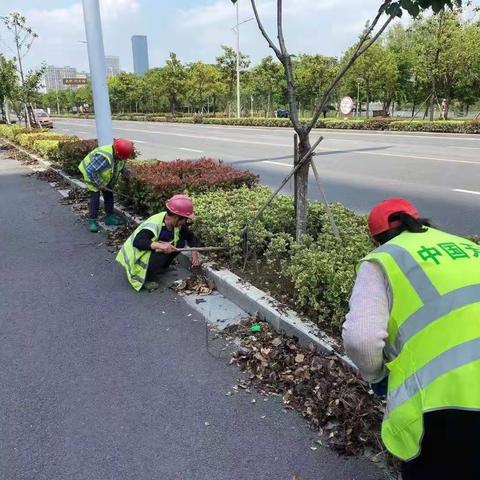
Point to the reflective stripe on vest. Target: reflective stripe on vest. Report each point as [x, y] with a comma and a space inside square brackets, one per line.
[434, 332]
[136, 261]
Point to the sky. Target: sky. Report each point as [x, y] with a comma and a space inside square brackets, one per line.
[193, 29]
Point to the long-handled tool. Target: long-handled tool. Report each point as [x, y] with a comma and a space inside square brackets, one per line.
[201, 249]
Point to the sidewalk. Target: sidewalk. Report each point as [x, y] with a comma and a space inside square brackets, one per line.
[99, 382]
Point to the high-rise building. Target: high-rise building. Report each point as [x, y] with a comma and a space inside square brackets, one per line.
[54, 77]
[140, 54]
[113, 65]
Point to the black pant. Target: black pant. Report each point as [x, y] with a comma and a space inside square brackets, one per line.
[158, 263]
[94, 204]
[450, 448]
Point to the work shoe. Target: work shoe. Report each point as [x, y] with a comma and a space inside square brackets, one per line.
[93, 225]
[151, 286]
[114, 220]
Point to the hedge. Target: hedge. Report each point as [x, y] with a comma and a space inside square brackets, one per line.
[317, 274]
[71, 153]
[446, 126]
[153, 183]
[65, 151]
[46, 148]
[10, 131]
[27, 140]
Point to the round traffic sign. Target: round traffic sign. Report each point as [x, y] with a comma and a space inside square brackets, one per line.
[346, 105]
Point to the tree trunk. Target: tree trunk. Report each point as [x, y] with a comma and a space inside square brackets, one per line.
[301, 186]
[368, 105]
[432, 101]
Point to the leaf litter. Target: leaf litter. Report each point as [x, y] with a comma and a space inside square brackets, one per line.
[335, 402]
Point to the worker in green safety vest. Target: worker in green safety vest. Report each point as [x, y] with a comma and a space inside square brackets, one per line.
[413, 331]
[152, 247]
[101, 169]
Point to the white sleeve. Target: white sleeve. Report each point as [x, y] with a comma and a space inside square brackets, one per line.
[365, 328]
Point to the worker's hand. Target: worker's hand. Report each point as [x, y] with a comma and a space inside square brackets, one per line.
[163, 247]
[196, 262]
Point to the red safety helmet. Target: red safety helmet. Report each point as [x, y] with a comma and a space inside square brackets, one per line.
[123, 148]
[378, 219]
[182, 206]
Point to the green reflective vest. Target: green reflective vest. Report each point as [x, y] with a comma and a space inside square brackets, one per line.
[433, 345]
[107, 175]
[136, 261]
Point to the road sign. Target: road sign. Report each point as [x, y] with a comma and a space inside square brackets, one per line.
[75, 81]
[346, 106]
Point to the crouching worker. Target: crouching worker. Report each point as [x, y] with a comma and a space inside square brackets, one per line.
[152, 247]
[101, 169]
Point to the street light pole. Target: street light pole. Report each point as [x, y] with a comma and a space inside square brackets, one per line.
[96, 60]
[238, 61]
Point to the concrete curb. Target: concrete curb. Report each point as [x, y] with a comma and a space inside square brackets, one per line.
[252, 300]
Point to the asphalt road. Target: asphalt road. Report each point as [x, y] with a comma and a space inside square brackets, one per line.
[440, 173]
[99, 382]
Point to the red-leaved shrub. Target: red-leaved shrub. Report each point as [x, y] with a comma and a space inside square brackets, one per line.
[153, 183]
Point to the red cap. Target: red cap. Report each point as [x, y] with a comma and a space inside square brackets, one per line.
[182, 206]
[123, 148]
[378, 219]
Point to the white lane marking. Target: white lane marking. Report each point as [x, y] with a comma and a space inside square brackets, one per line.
[190, 150]
[278, 163]
[82, 131]
[139, 141]
[205, 137]
[448, 160]
[459, 190]
[464, 148]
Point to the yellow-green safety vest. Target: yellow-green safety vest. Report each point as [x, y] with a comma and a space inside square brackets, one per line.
[105, 176]
[135, 261]
[433, 345]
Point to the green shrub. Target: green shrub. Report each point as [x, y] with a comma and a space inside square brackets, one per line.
[10, 131]
[153, 183]
[322, 270]
[440, 126]
[222, 215]
[252, 122]
[318, 273]
[27, 140]
[46, 148]
[72, 152]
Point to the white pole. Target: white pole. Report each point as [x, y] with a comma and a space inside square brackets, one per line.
[238, 62]
[96, 60]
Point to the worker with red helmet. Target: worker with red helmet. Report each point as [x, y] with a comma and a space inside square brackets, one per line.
[153, 245]
[101, 169]
[413, 331]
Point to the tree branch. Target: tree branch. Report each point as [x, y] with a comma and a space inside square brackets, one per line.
[264, 33]
[287, 65]
[359, 51]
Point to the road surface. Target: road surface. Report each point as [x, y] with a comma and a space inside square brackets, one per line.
[440, 173]
[100, 382]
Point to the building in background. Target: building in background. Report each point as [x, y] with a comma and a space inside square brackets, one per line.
[113, 65]
[140, 54]
[54, 77]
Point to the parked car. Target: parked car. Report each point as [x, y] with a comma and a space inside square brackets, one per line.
[282, 113]
[42, 118]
